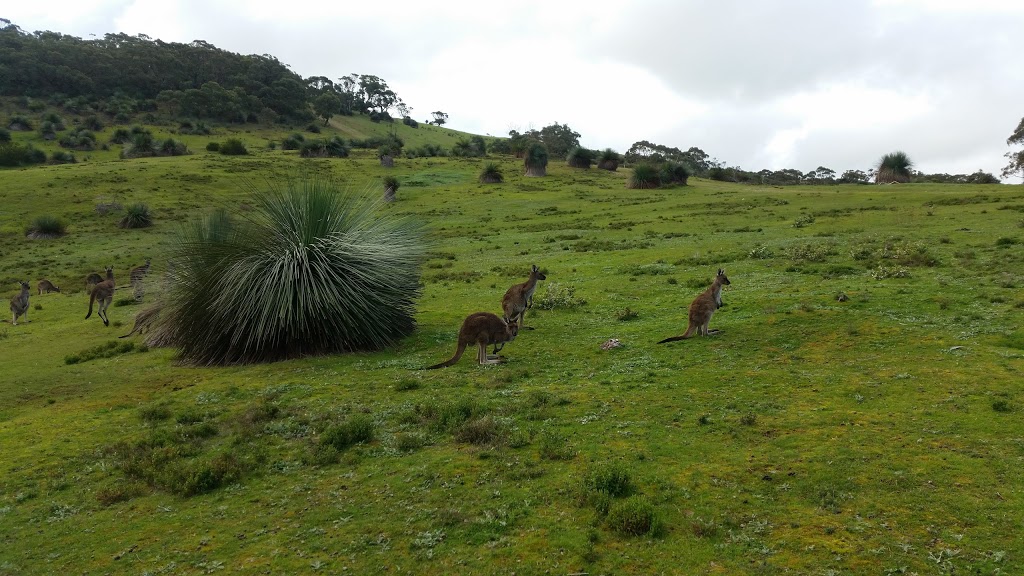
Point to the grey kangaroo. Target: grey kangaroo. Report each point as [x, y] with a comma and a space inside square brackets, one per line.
[482, 329]
[47, 286]
[519, 298]
[136, 278]
[703, 307]
[103, 293]
[19, 304]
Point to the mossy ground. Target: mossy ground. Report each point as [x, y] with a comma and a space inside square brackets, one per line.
[877, 435]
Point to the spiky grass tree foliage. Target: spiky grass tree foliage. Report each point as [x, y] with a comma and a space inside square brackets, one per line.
[491, 174]
[45, 227]
[674, 173]
[609, 160]
[310, 270]
[136, 216]
[893, 167]
[580, 157]
[536, 160]
[391, 185]
[644, 176]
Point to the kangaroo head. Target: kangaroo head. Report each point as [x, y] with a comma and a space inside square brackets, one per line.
[23, 285]
[722, 278]
[512, 329]
[110, 271]
[535, 272]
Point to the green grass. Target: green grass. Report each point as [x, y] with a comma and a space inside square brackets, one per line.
[880, 434]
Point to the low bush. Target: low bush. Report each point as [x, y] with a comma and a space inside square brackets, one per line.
[136, 216]
[46, 226]
[233, 147]
[634, 516]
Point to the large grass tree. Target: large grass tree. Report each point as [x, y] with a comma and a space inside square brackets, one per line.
[310, 270]
[893, 167]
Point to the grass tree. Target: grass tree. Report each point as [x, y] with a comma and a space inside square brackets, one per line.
[644, 176]
[580, 157]
[491, 174]
[45, 227]
[310, 270]
[536, 160]
[136, 216]
[391, 185]
[674, 173]
[893, 167]
[609, 160]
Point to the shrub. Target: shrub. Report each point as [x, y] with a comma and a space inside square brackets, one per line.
[893, 167]
[611, 478]
[536, 160]
[609, 160]
[81, 139]
[313, 128]
[233, 147]
[46, 226]
[580, 157]
[644, 176]
[213, 146]
[310, 270]
[358, 429]
[335, 147]
[634, 516]
[19, 124]
[136, 216]
[674, 173]
[558, 295]
[13, 154]
[5, 135]
[410, 122]
[293, 142]
[491, 174]
[555, 446]
[480, 431]
[121, 136]
[61, 157]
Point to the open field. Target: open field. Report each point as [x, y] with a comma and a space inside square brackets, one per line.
[877, 435]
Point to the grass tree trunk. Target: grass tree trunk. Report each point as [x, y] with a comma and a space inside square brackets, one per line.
[387, 161]
[536, 171]
[389, 194]
[610, 165]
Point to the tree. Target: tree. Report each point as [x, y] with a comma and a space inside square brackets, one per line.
[327, 105]
[1016, 165]
[559, 139]
[894, 167]
[439, 117]
[854, 177]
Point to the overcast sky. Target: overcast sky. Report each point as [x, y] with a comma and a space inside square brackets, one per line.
[758, 84]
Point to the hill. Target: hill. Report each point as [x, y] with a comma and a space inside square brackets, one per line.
[877, 433]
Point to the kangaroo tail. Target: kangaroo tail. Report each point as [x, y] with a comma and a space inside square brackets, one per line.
[452, 360]
[689, 332]
[92, 298]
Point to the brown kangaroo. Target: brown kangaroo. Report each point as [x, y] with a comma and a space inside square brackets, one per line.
[136, 278]
[482, 329]
[19, 304]
[144, 319]
[104, 294]
[519, 298]
[47, 286]
[702, 307]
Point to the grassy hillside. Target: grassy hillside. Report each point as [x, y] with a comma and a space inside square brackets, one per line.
[880, 434]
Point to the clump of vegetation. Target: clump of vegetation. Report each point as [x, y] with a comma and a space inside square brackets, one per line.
[473, 147]
[358, 429]
[13, 155]
[332, 148]
[46, 227]
[626, 315]
[293, 142]
[136, 215]
[62, 157]
[391, 185]
[105, 350]
[233, 147]
[673, 173]
[557, 295]
[213, 146]
[5, 135]
[142, 144]
[310, 270]
[554, 445]
[609, 160]
[81, 139]
[893, 167]
[198, 128]
[580, 157]
[644, 177]
[19, 123]
[635, 516]
[536, 160]
[491, 174]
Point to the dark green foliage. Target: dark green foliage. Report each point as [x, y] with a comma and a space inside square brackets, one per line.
[473, 147]
[426, 151]
[580, 157]
[141, 144]
[358, 429]
[46, 226]
[609, 160]
[313, 129]
[893, 167]
[136, 216]
[121, 136]
[1001, 406]
[674, 173]
[233, 147]
[634, 516]
[644, 176]
[19, 123]
[410, 122]
[491, 174]
[310, 270]
[61, 157]
[155, 413]
[554, 445]
[197, 128]
[106, 350]
[82, 139]
[333, 148]
[480, 431]
[13, 154]
[536, 160]
[391, 183]
[212, 146]
[611, 478]
[5, 135]
[293, 142]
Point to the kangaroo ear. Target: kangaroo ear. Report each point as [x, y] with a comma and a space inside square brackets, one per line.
[535, 269]
[721, 272]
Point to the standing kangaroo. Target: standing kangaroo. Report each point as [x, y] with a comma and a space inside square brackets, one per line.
[19, 304]
[702, 307]
[482, 329]
[144, 319]
[519, 298]
[47, 286]
[103, 293]
[136, 277]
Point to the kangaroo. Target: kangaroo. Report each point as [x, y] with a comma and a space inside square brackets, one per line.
[104, 294]
[143, 320]
[19, 304]
[136, 277]
[482, 328]
[47, 286]
[519, 298]
[702, 307]
[92, 280]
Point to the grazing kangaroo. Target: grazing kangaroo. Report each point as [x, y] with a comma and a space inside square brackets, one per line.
[92, 280]
[482, 329]
[136, 277]
[19, 304]
[104, 294]
[47, 286]
[702, 307]
[519, 298]
[143, 320]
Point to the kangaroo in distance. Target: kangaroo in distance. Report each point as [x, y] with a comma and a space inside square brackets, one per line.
[519, 298]
[19, 304]
[47, 286]
[135, 278]
[703, 307]
[143, 320]
[482, 329]
[104, 294]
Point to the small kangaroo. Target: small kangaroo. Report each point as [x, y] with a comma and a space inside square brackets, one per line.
[19, 304]
[519, 298]
[703, 307]
[143, 320]
[47, 286]
[482, 329]
[104, 294]
[136, 277]
[92, 280]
